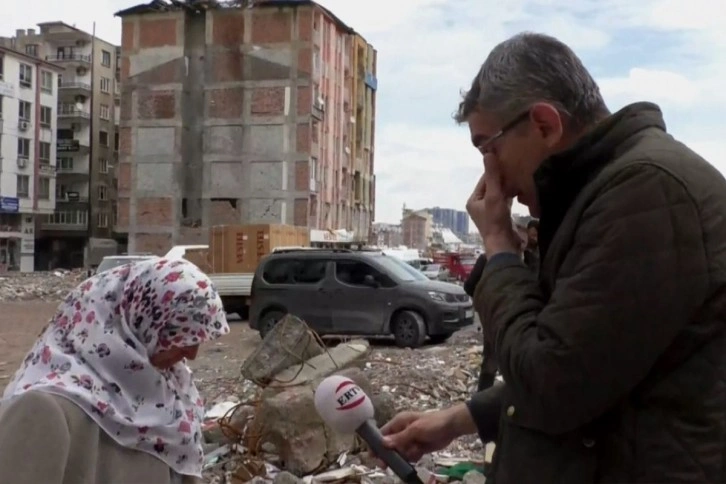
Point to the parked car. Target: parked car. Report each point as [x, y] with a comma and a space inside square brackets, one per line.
[111, 261]
[435, 272]
[346, 292]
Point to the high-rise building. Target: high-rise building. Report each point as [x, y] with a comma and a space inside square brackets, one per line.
[243, 115]
[462, 223]
[28, 99]
[81, 229]
[455, 220]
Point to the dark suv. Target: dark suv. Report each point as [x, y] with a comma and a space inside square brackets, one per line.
[347, 292]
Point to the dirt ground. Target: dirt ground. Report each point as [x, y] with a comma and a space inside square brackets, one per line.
[21, 323]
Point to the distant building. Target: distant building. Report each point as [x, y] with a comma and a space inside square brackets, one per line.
[386, 235]
[235, 115]
[28, 123]
[417, 229]
[455, 220]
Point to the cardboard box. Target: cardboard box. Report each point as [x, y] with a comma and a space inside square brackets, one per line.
[239, 248]
[200, 258]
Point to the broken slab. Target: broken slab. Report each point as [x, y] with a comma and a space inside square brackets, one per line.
[287, 419]
[340, 357]
[288, 343]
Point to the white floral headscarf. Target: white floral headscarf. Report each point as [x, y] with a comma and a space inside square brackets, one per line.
[96, 349]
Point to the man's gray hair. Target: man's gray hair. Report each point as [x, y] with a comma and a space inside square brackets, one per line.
[530, 68]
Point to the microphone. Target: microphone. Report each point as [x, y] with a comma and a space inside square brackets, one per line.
[342, 405]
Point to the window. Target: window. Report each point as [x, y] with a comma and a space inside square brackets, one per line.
[289, 271]
[31, 49]
[355, 273]
[103, 165]
[46, 81]
[44, 152]
[44, 188]
[115, 140]
[24, 111]
[46, 116]
[400, 270]
[23, 186]
[105, 113]
[60, 191]
[1, 99]
[23, 148]
[102, 193]
[2, 59]
[313, 168]
[105, 58]
[68, 218]
[105, 84]
[26, 75]
[65, 163]
[103, 137]
[102, 220]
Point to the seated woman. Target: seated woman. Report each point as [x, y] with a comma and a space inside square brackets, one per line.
[105, 395]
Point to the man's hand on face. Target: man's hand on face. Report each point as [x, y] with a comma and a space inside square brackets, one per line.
[414, 434]
[492, 213]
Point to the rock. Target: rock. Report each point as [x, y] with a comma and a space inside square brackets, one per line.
[285, 477]
[342, 356]
[287, 419]
[213, 432]
[289, 343]
[474, 477]
[385, 406]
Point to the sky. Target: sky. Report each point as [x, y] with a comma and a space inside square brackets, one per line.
[663, 51]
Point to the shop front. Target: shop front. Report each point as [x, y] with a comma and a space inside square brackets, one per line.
[11, 235]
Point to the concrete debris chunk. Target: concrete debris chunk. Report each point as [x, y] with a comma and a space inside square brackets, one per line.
[315, 369]
[290, 342]
[286, 433]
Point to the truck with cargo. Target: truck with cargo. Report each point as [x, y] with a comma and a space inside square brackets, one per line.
[232, 256]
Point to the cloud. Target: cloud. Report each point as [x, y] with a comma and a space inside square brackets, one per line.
[658, 86]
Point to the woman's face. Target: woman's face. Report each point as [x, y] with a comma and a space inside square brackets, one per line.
[165, 359]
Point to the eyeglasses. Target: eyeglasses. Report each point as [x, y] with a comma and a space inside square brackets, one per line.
[486, 145]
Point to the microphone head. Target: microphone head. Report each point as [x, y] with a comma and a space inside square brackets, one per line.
[342, 404]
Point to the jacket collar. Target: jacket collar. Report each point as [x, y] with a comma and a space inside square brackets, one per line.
[561, 177]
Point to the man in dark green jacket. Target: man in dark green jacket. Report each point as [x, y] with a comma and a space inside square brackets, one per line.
[614, 357]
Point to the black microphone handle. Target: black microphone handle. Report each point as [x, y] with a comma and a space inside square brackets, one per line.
[369, 432]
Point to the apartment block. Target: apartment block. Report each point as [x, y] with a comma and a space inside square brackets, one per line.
[455, 220]
[243, 115]
[386, 235]
[416, 228]
[80, 231]
[28, 99]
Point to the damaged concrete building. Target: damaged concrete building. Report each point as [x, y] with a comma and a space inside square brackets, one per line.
[231, 114]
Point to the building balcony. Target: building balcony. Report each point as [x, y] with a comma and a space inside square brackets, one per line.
[68, 226]
[71, 175]
[46, 169]
[69, 198]
[68, 146]
[70, 58]
[71, 111]
[74, 87]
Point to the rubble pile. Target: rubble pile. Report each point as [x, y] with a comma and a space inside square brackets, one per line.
[46, 286]
[269, 430]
